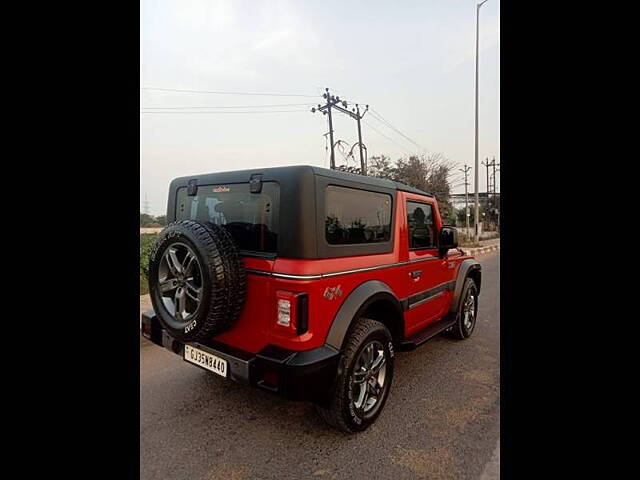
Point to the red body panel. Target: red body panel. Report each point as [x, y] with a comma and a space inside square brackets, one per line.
[256, 327]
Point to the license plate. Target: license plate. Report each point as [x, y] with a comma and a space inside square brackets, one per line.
[205, 360]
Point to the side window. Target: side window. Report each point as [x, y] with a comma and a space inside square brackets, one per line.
[356, 216]
[421, 225]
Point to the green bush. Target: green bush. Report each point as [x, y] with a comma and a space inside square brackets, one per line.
[147, 241]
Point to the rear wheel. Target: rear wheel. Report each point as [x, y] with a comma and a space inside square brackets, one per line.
[364, 378]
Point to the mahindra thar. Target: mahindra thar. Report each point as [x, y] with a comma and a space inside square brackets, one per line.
[306, 282]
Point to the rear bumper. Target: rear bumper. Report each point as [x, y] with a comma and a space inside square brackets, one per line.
[306, 375]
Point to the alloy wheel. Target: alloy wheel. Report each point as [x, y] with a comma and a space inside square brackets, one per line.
[180, 282]
[368, 378]
[469, 311]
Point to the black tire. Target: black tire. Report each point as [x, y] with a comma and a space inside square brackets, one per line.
[218, 272]
[233, 268]
[461, 330]
[342, 412]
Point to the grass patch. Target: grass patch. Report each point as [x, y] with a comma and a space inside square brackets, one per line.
[147, 241]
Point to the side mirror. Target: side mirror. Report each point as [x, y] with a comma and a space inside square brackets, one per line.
[448, 239]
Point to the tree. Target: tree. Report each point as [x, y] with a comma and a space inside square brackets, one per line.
[451, 218]
[460, 214]
[151, 221]
[381, 167]
[430, 173]
[146, 219]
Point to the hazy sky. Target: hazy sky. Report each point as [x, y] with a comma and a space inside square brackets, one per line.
[411, 61]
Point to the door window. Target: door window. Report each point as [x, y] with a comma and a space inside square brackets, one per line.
[421, 225]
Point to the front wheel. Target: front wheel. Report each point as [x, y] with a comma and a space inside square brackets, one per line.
[364, 378]
[467, 311]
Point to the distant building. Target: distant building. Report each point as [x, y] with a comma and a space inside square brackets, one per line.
[458, 199]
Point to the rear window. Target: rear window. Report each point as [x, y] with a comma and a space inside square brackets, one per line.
[356, 216]
[251, 218]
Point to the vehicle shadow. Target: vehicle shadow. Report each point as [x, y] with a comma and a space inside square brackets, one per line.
[220, 401]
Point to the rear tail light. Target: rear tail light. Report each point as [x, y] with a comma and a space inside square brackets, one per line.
[292, 311]
[284, 312]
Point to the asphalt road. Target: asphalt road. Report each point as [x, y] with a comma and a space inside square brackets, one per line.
[442, 419]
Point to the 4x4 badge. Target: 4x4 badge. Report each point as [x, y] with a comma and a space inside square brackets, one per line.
[332, 292]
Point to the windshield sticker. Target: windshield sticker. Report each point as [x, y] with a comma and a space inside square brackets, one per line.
[220, 189]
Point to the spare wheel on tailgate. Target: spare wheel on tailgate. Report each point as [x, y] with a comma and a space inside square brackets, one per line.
[197, 280]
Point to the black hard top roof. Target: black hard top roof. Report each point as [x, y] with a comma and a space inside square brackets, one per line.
[366, 180]
[325, 172]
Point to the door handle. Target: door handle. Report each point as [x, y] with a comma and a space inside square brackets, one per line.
[416, 274]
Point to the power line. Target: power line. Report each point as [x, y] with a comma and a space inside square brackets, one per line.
[232, 106]
[350, 100]
[385, 136]
[179, 90]
[455, 177]
[380, 118]
[246, 111]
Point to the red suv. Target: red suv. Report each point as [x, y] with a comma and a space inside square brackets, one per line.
[305, 282]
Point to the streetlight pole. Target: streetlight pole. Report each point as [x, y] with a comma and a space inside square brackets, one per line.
[477, 210]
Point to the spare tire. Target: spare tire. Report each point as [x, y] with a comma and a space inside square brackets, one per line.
[234, 268]
[197, 281]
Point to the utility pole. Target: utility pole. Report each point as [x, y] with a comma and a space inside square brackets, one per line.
[486, 202]
[494, 196]
[493, 163]
[363, 165]
[326, 110]
[466, 197]
[475, 239]
[333, 155]
[145, 205]
[487, 165]
[335, 102]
